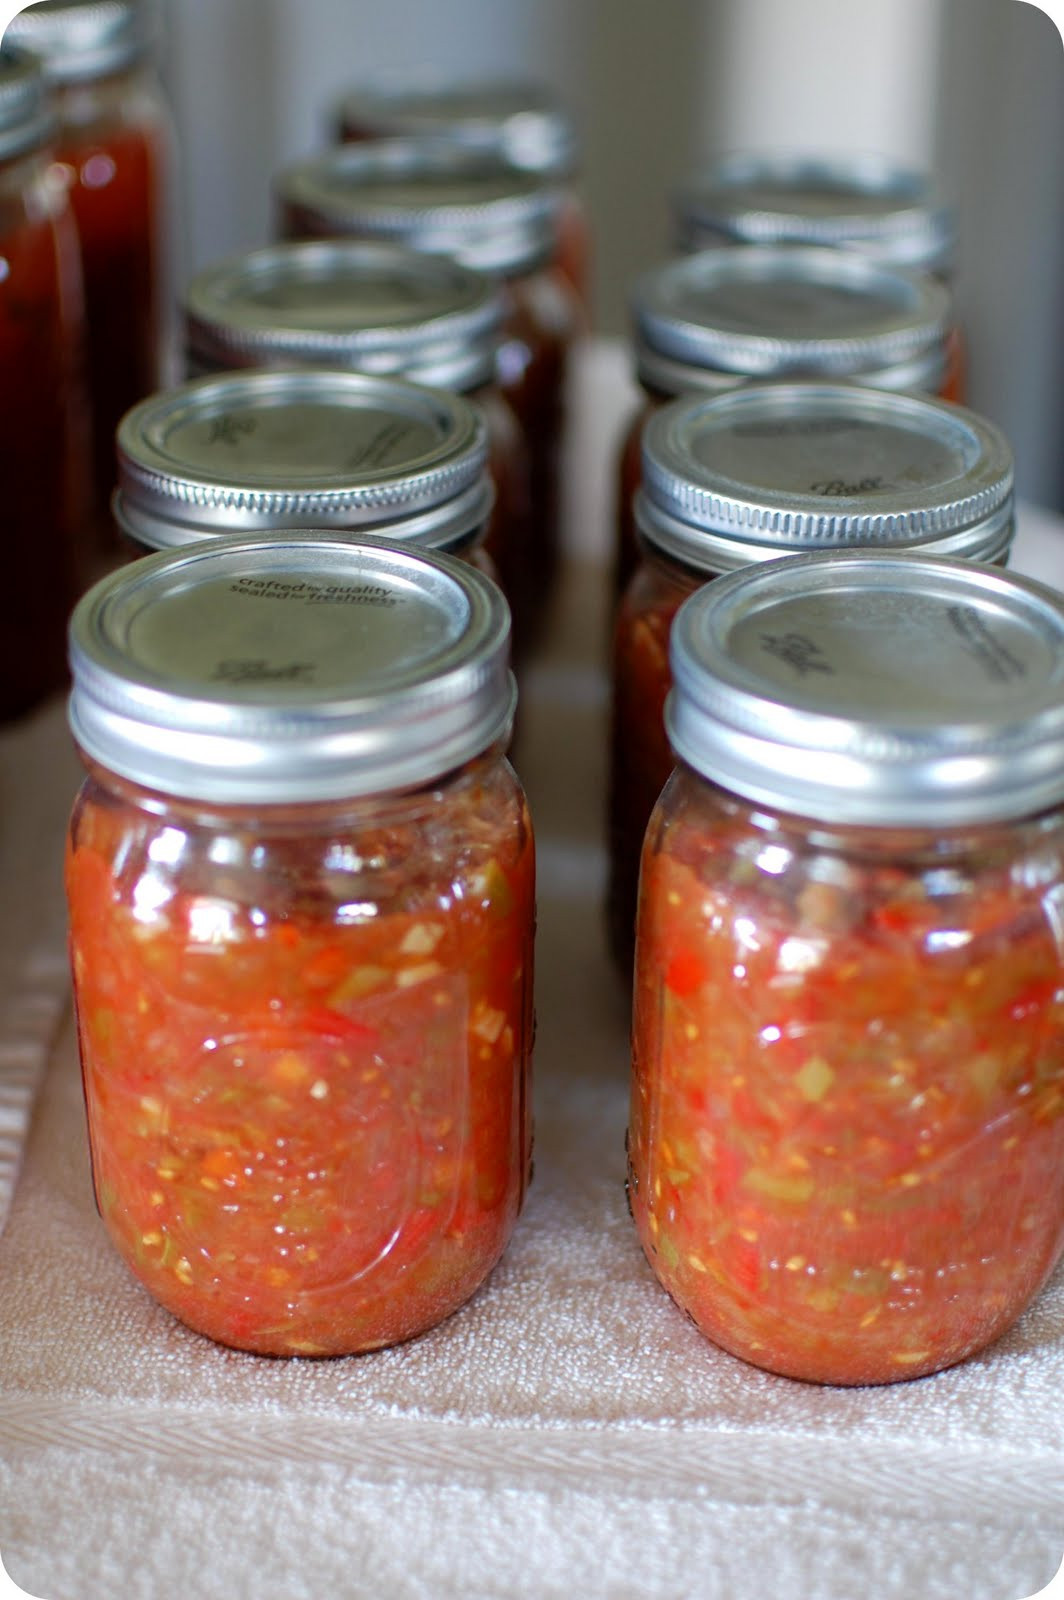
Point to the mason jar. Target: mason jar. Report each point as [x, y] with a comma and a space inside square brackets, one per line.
[894, 214]
[114, 150]
[361, 306]
[263, 451]
[724, 318]
[43, 407]
[300, 880]
[523, 121]
[487, 214]
[847, 1115]
[767, 471]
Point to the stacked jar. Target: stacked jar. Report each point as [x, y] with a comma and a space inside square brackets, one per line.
[774, 470]
[488, 215]
[890, 213]
[847, 1116]
[261, 452]
[712, 322]
[526, 123]
[114, 149]
[380, 309]
[300, 877]
[43, 416]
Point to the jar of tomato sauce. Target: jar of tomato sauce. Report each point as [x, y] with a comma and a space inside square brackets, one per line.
[260, 452]
[366, 307]
[772, 470]
[487, 214]
[525, 122]
[725, 318]
[114, 151]
[847, 1116]
[43, 417]
[300, 878]
[868, 203]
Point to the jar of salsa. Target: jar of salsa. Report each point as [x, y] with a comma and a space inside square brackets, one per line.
[868, 203]
[847, 1116]
[771, 470]
[526, 123]
[725, 318]
[486, 214]
[300, 878]
[113, 149]
[377, 308]
[43, 419]
[260, 452]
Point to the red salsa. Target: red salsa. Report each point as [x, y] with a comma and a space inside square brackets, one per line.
[847, 1135]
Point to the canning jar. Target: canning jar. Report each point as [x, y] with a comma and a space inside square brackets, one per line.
[377, 308]
[769, 471]
[300, 878]
[522, 121]
[488, 215]
[847, 1117]
[869, 203]
[114, 151]
[259, 452]
[725, 318]
[43, 418]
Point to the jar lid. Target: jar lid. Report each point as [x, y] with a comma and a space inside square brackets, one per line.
[25, 118]
[347, 303]
[526, 123]
[259, 451]
[81, 39]
[429, 195]
[892, 690]
[291, 669]
[890, 212]
[774, 468]
[788, 312]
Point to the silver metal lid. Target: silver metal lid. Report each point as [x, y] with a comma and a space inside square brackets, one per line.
[291, 669]
[892, 690]
[775, 468]
[346, 303]
[26, 120]
[83, 39]
[704, 320]
[429, 195]
[866, 202]
[255, 452]
[524, 122]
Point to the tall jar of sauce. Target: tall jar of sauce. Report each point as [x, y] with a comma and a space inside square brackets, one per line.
[114, 149]
[489, 215]
[43, 416]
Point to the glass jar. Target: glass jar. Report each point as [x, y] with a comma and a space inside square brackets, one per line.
[114, 151]
[385, 310]
[891, 213]
[767, 471]
[526, 123]
[43, 419]
[847, 1115]
[486, 214]
[725, 318]
[300, 878]
[263, 451]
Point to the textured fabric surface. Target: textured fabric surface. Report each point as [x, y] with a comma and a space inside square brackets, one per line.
[568, 1432]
